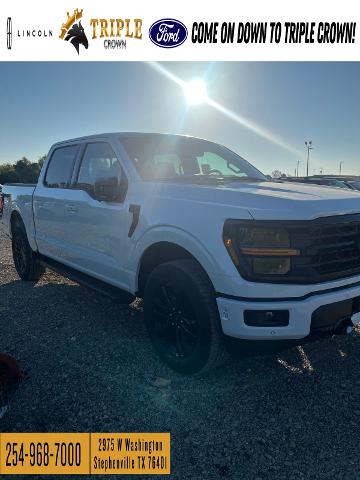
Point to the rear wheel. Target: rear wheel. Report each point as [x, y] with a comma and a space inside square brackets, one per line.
[182, 318]
[26, 263]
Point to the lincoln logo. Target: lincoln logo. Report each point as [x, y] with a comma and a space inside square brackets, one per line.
[168, 33]
[9, 33]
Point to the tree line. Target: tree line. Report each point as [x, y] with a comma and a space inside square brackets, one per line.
[23, 171]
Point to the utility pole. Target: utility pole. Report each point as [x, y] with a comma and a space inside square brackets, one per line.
[309, 147]
[342, 161]
[297, 168]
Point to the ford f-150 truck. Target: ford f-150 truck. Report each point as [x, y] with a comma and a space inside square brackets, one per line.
[212, 246]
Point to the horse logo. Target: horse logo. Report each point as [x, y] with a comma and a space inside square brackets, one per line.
[73, 30]
[77, 36]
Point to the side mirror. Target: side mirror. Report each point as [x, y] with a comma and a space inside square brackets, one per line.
[107, 189]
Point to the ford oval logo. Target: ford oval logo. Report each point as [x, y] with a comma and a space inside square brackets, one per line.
[168, 33]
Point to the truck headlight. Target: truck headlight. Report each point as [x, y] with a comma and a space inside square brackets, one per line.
[259, 250]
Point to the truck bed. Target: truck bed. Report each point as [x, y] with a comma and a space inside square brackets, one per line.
[18, 198]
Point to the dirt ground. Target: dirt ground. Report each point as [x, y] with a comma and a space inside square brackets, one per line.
[293, 415]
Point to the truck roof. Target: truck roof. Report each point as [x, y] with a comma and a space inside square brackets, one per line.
[125, 134]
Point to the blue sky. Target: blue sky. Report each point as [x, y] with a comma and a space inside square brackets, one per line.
[41, 103]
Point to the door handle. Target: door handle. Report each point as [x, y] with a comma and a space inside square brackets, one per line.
[71, 208]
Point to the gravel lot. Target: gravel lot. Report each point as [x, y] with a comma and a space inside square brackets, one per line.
[291, 415]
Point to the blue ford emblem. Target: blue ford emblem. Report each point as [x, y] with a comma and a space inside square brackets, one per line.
[168, 33]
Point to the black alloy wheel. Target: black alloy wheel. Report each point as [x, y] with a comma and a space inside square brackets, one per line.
[182, 317]
[19, 253]
[26, 261]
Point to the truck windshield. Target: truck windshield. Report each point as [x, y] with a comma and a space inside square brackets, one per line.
[186, 159]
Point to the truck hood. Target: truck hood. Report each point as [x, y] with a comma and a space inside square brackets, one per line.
[270, 200]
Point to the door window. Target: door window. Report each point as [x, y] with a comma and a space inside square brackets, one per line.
[99, 161]
[59, 170]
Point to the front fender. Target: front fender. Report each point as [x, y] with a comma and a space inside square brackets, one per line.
[212, 265]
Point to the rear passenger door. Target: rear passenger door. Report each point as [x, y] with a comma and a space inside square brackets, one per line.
[50, 204]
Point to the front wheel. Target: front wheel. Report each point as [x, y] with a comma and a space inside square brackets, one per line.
[25, 261]
[182, 318]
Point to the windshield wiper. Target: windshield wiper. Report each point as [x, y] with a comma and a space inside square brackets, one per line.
[236, 178]
[209, 179]
[193, 179]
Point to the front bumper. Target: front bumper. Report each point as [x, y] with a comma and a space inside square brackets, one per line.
[306, 316]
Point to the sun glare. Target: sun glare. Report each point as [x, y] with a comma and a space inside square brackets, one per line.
[195, 92]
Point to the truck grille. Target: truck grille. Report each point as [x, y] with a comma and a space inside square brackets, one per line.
[330, 248]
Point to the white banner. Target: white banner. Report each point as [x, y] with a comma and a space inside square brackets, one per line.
[172, 31]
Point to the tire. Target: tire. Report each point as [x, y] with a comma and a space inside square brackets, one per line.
[182, 318]
[25, 261]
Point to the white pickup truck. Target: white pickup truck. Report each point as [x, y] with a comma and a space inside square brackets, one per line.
[212, 247]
